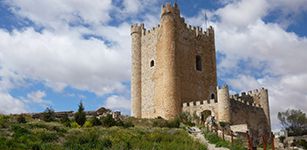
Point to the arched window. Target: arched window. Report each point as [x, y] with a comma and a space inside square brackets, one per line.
[198, 63]
[152, 63]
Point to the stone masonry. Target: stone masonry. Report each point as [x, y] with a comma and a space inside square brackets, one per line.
[174, 70]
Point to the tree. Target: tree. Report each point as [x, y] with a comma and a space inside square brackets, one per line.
[65, 120]
[49, 115]
[21, 119]
[294, 121]
[80, 116]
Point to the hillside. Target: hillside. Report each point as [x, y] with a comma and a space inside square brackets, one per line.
[38, 134]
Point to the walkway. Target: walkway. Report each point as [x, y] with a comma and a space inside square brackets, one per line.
[197, 134]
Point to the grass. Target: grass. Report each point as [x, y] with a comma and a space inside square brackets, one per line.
[39, 135]
[219, 142]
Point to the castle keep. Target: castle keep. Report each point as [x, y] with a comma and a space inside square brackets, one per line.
[174, 71]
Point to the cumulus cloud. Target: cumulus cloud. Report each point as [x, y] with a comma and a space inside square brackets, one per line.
[116, 102]
[49, 13]
[36, 96]
[65, 60]
[11, 105]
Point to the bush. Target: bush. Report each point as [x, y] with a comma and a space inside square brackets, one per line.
[88, 124]
[4, 121]
[160, 122]
[80, 116]
[175, 123]
[108, 121]
[302, 143]
[49, 115]
[186, 118]
[214, 139]
[75, 125]
[95, 121]
[21, 119]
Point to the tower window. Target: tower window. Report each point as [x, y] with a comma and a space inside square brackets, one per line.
[198, 63]
[152, 63]
[212, 96]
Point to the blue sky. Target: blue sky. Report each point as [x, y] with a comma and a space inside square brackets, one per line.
[58, 53]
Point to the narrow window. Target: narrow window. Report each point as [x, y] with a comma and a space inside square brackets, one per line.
[198, 63]
[212, 96]
[152, 63]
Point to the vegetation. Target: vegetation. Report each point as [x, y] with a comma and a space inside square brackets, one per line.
[37, 134]
[294, 121]
[160, 122]
[80, 116]
[49, 115]
[214, 139]
[21, 119]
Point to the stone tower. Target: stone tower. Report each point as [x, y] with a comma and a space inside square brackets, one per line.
[224, 113]
[172, 63]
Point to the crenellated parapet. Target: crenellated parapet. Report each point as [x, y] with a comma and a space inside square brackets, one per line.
[136, 28]
[246, 103]
[151, 31]
[168, 8]
[200, 32]
[252, 97]
[199, 103]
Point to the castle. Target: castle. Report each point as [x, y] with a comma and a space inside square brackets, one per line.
[174, 71]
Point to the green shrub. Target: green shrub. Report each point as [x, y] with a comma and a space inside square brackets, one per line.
[46, 136]
[65, 120]
[219, 142]
[88, 124]
[49, 115]
[175, 123]
[21, 119]
[80, 116]
[19, 130]
[186, 118]
[302, 143]
[160, 122]
[108, 121]
[4, 121]
[95, 121]
[75, 125]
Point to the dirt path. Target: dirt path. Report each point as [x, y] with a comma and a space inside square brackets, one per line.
[197, 134]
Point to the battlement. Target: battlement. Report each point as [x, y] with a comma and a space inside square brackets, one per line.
[250, 93]
[168, 8]
[137, 28]
[199, 103]
[248, 98]
[150, 31]
[240, 100]
[200, 32]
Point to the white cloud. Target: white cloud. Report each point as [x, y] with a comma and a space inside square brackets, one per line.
[242, 13]
[116, 102]
[11, 105]
[37, 96]
[65, 60]
[50, 13]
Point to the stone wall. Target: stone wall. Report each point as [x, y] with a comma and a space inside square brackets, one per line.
[149, 53]
[200, 106]
[252, 115]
